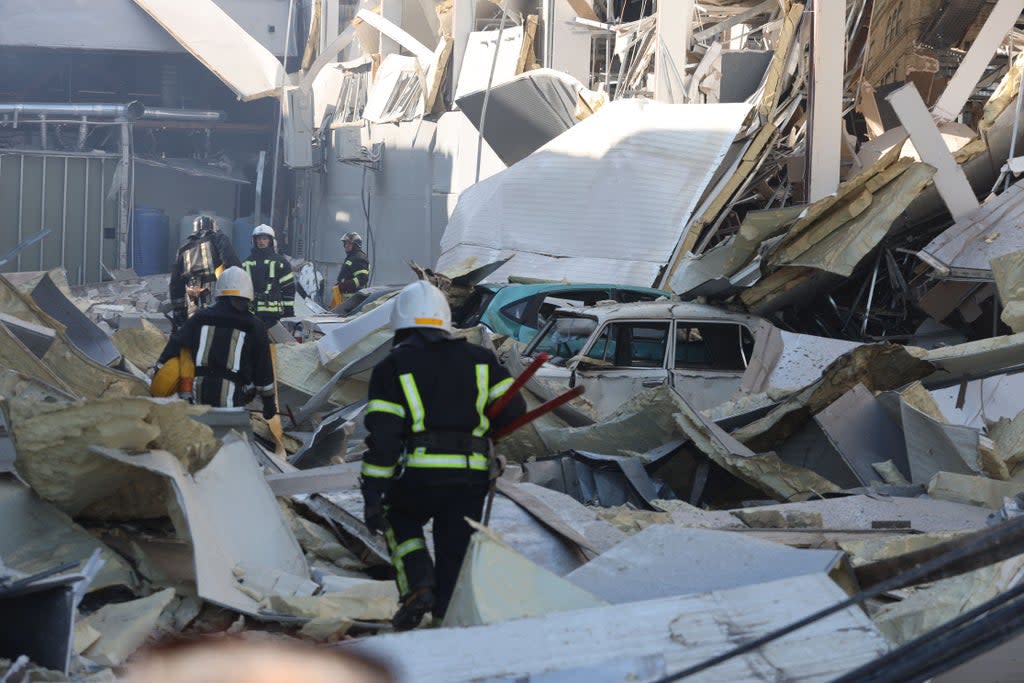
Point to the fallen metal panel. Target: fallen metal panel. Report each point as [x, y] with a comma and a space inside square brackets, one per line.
[224, 47]
[969, 245]
[633, 162]
[828, 61]
[860, 512]
[348, 340]
[595, 479]
[38, 619]
[934, 447]
[525, 113]
[863, 433]
[36, 536]
[316, 480]
[35, 338]
[497, 584]
[686, 630]
[331, 438]
[231, 517]
[475, 74]
[663, 561]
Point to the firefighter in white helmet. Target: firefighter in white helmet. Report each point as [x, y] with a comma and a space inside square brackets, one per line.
[272, 278]
[229, 346]
[429, 447]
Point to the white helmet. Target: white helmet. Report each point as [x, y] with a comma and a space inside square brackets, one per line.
[421, 305]
[266, 231]
[234, 281]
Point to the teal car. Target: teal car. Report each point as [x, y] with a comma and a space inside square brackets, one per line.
[520, 310]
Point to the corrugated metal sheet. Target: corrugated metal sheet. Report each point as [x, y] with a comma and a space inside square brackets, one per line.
[685, 630]
[994, 229]
[605, 201]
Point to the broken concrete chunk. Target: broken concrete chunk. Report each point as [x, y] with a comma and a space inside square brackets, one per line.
[972, 490]
[497, 584]
[124, 627]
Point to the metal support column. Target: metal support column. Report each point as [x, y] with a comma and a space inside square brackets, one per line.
[123, 202]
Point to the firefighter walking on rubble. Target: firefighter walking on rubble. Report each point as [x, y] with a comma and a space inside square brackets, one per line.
[429, 451]
[229, 347]
[202, 257]
[355, 271]
[272, 278]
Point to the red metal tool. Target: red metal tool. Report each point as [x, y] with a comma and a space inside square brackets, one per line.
[518, 384]
[529, 417]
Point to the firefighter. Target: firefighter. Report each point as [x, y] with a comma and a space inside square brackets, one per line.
[229, 347]
[355, 271]
[202, 257]
[272, 278]
[429, 451]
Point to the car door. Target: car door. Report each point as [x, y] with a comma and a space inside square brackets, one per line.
[709, 359]
[624, 359]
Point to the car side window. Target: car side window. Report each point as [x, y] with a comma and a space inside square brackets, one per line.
[552, 301]
[713, 346]
[631, 345]
[517, 310]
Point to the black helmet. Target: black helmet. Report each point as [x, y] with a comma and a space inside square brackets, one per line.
[202, 223]
[353, 237]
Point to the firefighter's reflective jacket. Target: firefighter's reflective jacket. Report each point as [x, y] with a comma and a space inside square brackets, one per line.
[427, 408]
[273, 283]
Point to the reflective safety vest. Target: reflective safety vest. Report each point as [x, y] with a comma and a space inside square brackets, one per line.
[424, 458]
[273, 284]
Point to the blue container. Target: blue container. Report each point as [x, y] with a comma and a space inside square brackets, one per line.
[241, 236]
[148, 241]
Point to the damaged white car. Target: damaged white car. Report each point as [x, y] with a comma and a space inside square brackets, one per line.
[707, 354]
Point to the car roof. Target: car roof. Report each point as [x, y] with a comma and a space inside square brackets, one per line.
[534, 287]
[656, 310]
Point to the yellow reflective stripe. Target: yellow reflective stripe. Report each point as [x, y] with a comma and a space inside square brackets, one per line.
[410, 546]
[376, 471]
[400, 576]
[273, 268]
[287, 277]
[447, 461]
[483, 374]
[412, 397]
[380, 406]
[499, 389]
[360, 272]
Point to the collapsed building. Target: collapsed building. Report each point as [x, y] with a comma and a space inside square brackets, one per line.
[801, 426]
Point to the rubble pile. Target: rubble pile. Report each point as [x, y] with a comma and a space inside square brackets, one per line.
[809, 440]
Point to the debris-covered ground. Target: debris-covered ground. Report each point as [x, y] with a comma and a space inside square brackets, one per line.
[803, 459]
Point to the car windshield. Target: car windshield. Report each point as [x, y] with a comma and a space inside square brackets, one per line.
[563, 338]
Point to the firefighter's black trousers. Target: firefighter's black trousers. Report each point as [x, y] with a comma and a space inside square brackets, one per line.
[409, 507]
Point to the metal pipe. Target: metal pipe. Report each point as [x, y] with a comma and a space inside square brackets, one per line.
[132, 110]
[64, 219]
[42, 211]
[42, 131]
[83, 133]
[871, 297]
[21, 199]
[165, 114]
[85, 225]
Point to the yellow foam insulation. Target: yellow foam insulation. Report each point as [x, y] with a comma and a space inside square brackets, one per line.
[140, 345]
[52, 437]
